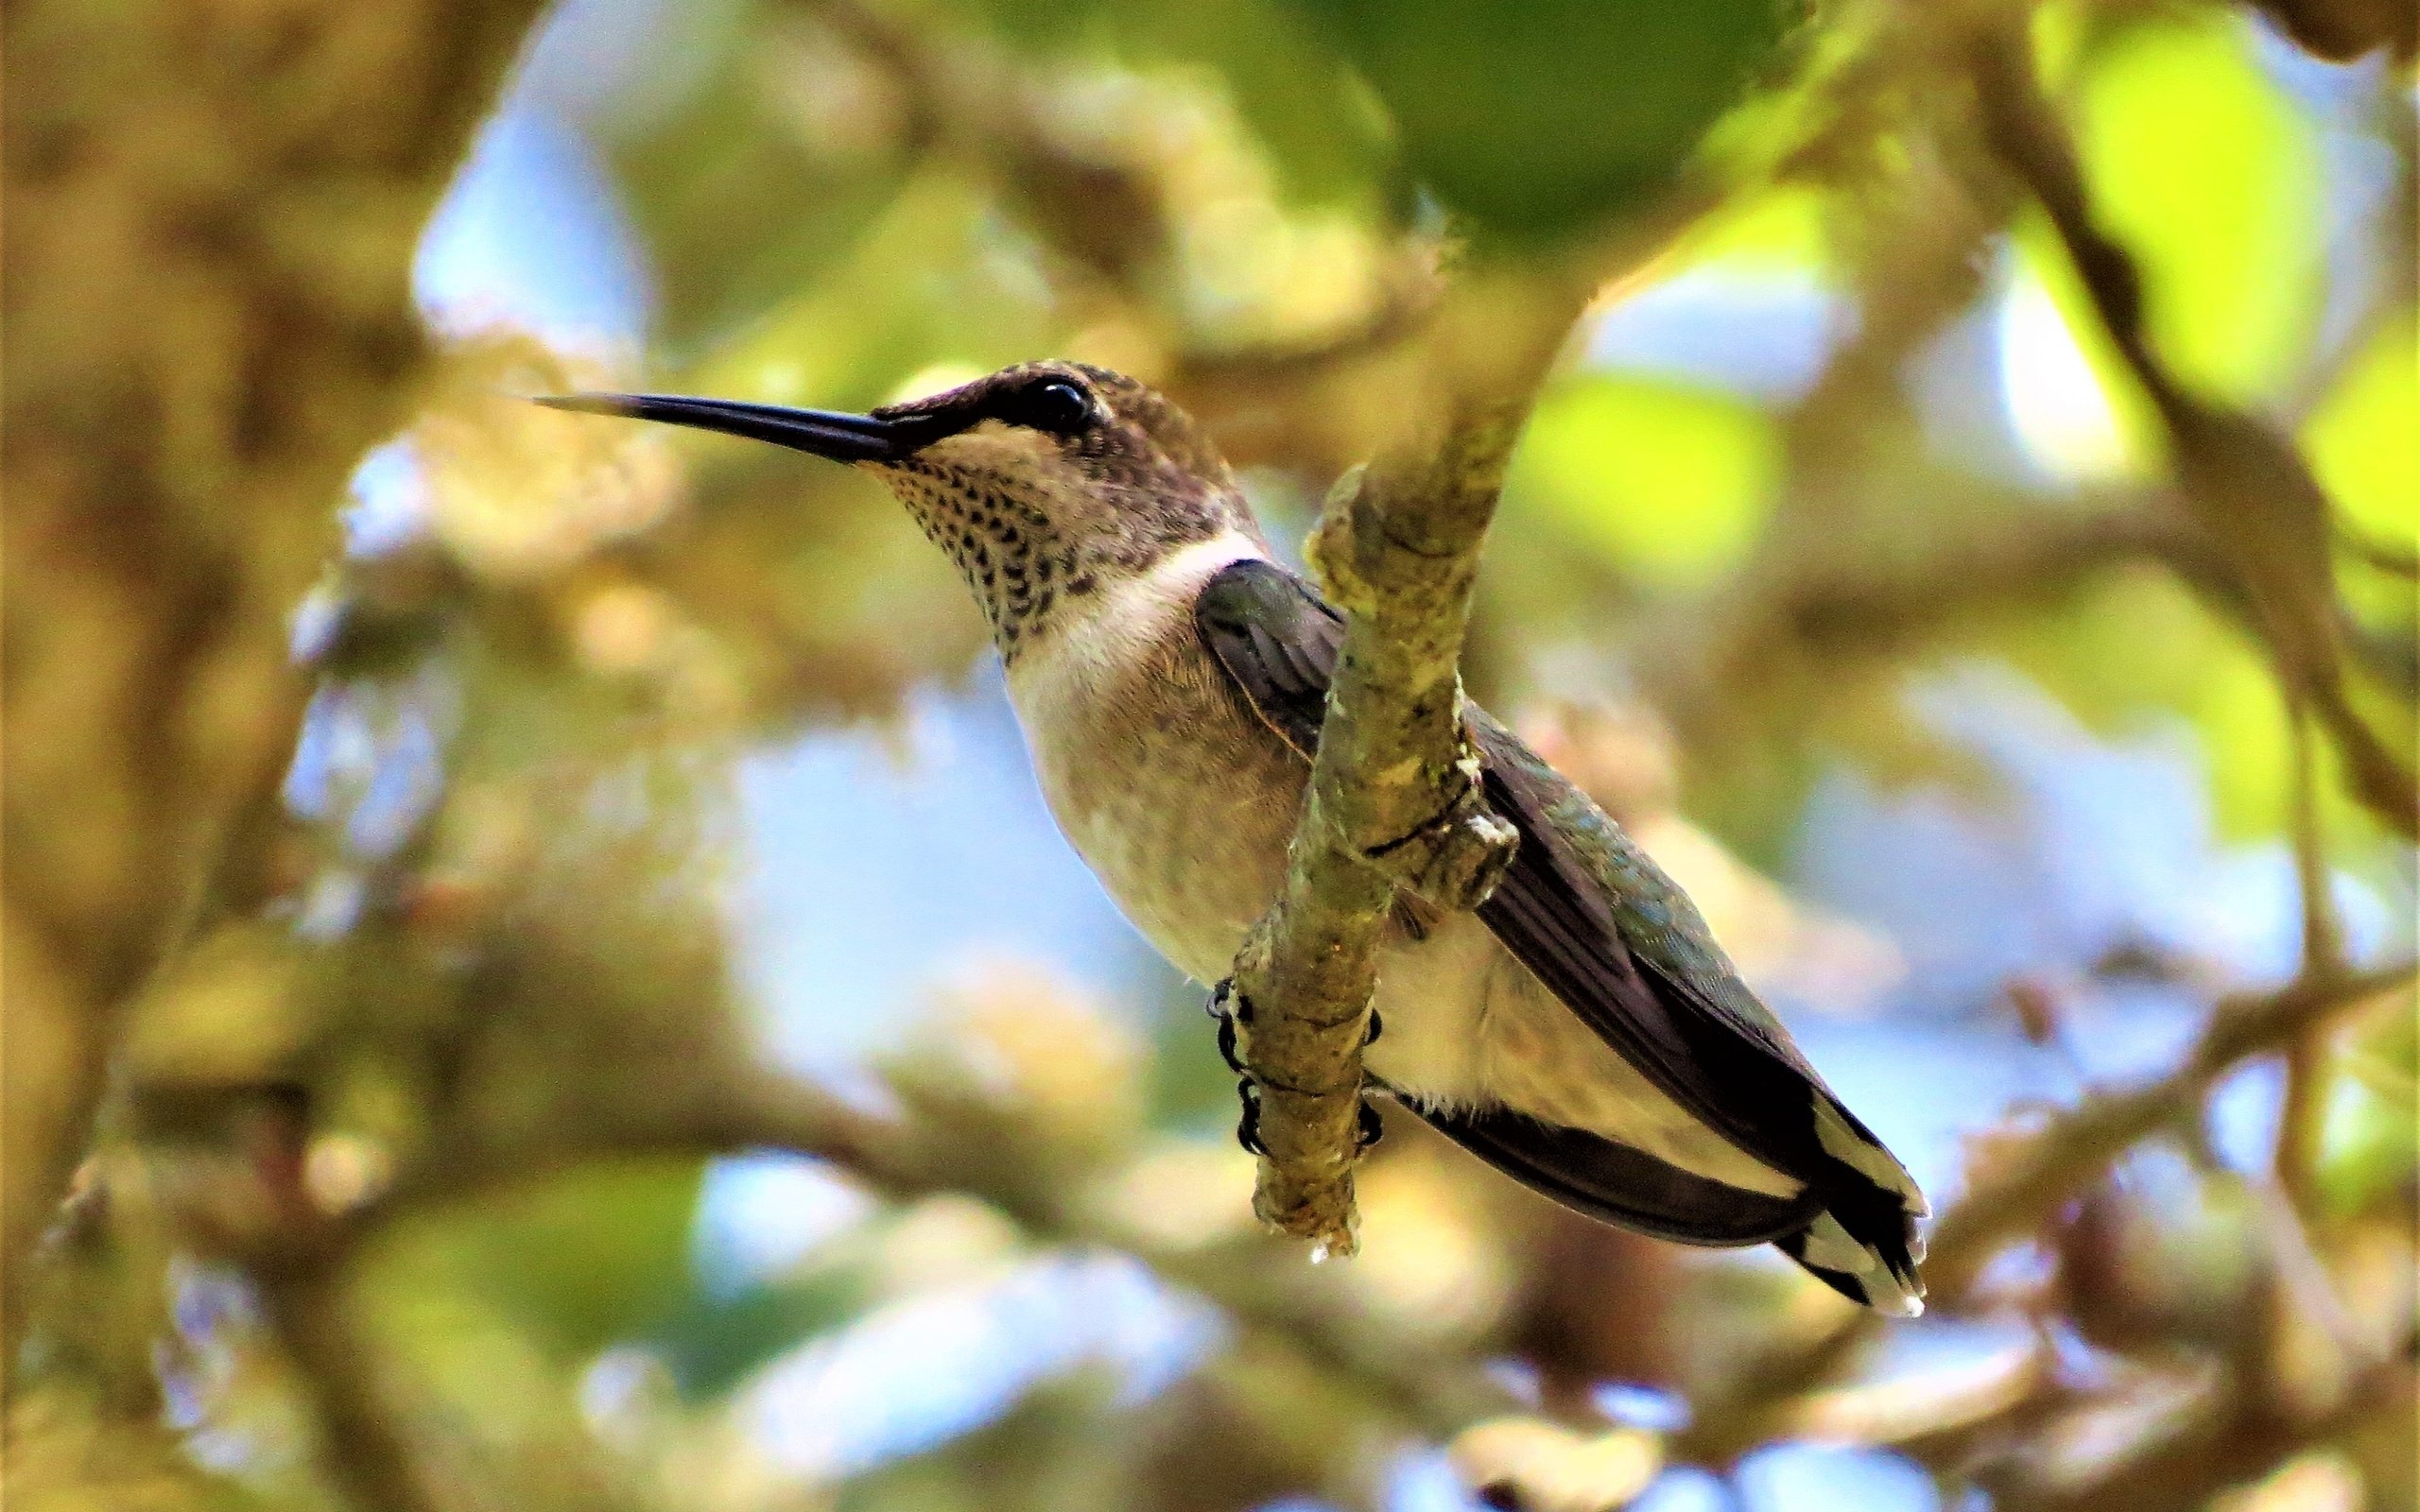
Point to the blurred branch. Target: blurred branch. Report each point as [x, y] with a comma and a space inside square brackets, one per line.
[2026, 1184]
[2345, 30]
[2031, 1182]
[1819, 611]
[2245, 1434]
[2385, 555]
[2302, 1274]
[88, 1425]
[210, 321]
[2323, 959]
[743, 1108]
[364, 1455]
[1295, 405]
[1213, 378]
[2176, 1424]
[2240, 483]
[2323, 936]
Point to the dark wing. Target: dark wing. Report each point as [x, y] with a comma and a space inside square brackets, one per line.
[1607, 932]
[1624, 949]
[1278, 641]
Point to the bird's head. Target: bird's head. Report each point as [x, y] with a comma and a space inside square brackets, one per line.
[1044, 482]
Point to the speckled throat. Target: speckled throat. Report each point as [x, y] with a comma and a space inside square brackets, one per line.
[1026, 555]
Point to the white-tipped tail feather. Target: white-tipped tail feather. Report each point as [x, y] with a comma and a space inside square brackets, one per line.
[1881, 1275]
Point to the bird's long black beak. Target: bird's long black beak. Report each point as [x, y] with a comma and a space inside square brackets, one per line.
[842, 438]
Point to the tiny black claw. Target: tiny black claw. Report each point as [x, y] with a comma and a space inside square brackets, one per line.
[1373, 1128]
[1226, 1003]
[1227, 1045]
[1248, 1127]
[1378, 1025]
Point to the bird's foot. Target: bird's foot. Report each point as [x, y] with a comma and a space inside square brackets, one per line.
[1226, 1003]
[1248, 1127]
[1230, 1007]
[1372, 1127]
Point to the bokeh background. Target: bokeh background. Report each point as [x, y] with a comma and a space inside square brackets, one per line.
[537, 975]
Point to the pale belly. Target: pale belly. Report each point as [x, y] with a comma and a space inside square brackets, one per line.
[1182, 802]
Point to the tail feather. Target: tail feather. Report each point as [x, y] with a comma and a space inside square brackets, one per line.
[1854, 1232]
[1864, 1245]
[1618, 1184]
[1871, 1263]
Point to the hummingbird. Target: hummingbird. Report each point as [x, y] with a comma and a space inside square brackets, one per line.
[1580, 1031]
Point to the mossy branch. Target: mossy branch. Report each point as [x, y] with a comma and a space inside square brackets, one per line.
[1393, 802]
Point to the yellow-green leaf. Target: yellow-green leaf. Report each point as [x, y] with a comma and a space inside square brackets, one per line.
[2364, 440]
[1670, 483]
[2201, 167]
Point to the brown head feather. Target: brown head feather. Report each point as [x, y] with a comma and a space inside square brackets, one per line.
[1033, 517]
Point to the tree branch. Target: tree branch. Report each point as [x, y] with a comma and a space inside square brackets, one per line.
[362, 1448]
[2025, 1189]
[746, 1109]
[1806, 623]
[1393, 800]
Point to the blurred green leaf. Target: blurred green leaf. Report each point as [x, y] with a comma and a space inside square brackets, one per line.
[1772, 229]
[1325, 135]
[2366, 1125]
[1540, 119]
[1670, 483]
[1321, 130]
[713, 1343]
[936, 278]
[601, 1254]
[733, 199]
[2199, 165]
[2364, 439]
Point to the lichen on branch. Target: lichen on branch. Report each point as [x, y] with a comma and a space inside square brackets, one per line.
[1393, 802]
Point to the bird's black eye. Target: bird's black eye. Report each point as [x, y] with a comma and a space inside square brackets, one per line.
[1055, 404]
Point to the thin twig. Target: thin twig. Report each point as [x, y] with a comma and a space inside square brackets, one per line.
[2386, 555]
[2323, 959]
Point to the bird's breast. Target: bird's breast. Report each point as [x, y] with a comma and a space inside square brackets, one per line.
[1178, 797]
